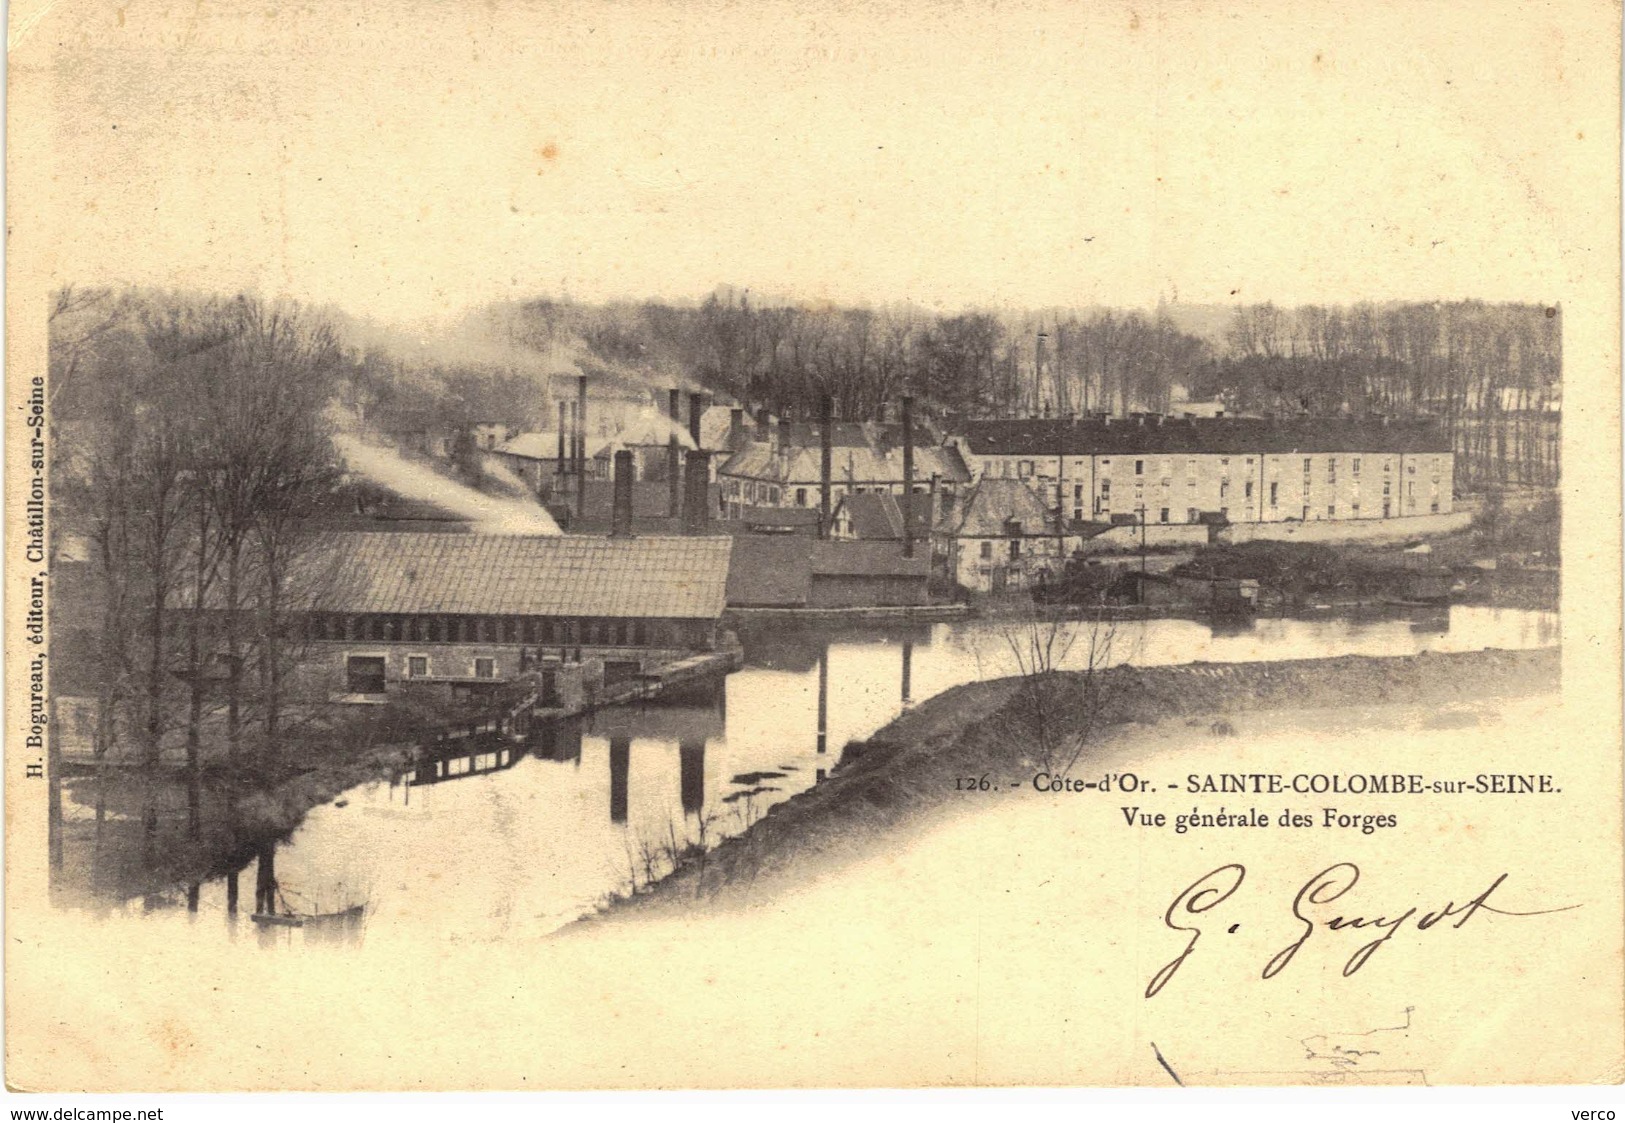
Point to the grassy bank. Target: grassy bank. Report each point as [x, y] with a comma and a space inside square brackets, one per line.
[907, 771]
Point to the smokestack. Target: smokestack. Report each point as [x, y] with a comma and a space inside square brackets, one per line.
[564, 411]
[736, 429]
[826, 439]
[674, 456]
[620, 525]
[697, 493]
[696, 407]
[764, 425]
[581, 446]
[908, 476]
[784, 435]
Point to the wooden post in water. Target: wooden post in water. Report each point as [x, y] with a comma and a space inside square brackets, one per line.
[823, 699]
[620, 764]
[908, 669]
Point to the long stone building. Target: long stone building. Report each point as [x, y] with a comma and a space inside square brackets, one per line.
[1166, 471]
[468, 611]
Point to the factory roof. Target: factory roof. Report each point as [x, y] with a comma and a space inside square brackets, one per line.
[1226, 435]
[851, 464]
[528, 575]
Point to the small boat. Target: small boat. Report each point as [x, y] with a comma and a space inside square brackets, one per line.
[314, 919]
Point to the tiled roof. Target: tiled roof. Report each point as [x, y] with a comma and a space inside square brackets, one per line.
[530, 575]
[545, 445]
[779, 516]
[770, 572]
[1225, 435]
[879, 515]
[860, 465]
[868, 559]
[994, 502]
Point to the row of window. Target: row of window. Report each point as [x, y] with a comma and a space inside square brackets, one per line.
[1026, 469]
[540, 630]
[366, 674]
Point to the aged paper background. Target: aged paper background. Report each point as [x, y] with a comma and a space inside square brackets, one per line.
[405, 158]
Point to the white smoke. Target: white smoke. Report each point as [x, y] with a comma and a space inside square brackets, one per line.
[489, 514]
[510, 480]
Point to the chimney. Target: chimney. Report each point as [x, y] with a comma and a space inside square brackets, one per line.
[564, 410]
[696, 407]
[908, 476]
[674, 456]
[697, 493]
[764, 425]
[621, 517]
[826, 445]
[736, 429]
[581, 446]
[784, 436]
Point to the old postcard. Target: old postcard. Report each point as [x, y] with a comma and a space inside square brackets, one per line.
[563, 544]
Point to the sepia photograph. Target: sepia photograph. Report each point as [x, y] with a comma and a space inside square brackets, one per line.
[563, 545]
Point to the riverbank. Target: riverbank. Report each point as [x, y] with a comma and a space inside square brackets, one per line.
[911, 772]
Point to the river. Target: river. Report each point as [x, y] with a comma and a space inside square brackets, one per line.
[517, 839]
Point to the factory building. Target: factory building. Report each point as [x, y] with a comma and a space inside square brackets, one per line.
[1166, 471]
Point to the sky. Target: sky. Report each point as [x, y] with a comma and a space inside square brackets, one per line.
[408, 160]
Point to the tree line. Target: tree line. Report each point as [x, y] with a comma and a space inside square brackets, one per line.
[191, 446]
[1489, 373]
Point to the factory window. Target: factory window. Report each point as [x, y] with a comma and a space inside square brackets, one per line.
[1165, 514]
[801, 497]
[417, 666]
[987, 550]
[1356, 465]
[1331, 510]
[1387, 488]
[1190, 467]
[1190, 514]
[1387, 464]
[364, 674]
[1247, 489]
[1139, 467]
[1356, 509]
[485, 668]
[1435, 505]
[1015, 549]
[1106, 489]
[1224, 489]
[1306, 463]
[1026, 469]
[1077, 493]
[1274, 492]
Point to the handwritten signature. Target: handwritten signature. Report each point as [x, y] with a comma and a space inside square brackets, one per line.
[1329, 885]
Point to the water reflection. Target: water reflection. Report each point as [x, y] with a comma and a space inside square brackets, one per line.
[498, 835]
